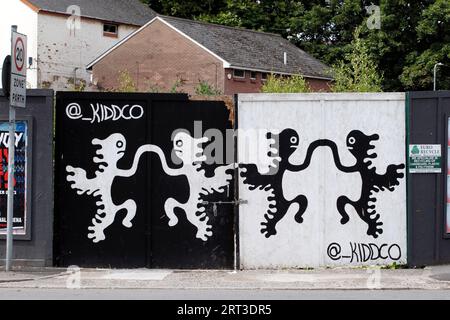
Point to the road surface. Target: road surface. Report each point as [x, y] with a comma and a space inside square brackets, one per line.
[180, 294]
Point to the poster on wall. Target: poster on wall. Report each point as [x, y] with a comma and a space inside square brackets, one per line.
[20, 208]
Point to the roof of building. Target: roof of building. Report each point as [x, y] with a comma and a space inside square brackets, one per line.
[250, 49]
[132, 12]
[243, 49]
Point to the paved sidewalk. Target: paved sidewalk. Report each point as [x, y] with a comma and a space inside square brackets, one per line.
[430, 278]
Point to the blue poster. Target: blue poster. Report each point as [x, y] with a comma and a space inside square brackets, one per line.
[20, 216]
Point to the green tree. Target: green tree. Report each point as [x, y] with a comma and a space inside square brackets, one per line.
[325, 29]
[414, 34]
[433, 45]
[186, 8]
[262, 15]
[358, 73]
[392, 43]
[279, 84]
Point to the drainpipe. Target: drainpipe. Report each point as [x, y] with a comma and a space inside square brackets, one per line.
[217, 76]
[75, 76]
[137, 75]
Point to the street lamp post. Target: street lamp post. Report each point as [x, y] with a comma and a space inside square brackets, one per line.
[434, 74]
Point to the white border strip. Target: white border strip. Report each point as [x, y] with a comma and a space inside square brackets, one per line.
[345, 96]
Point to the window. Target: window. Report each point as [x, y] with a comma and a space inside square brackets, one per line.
[264, 76]
[238, 74]
[253, 75]
[110, 30]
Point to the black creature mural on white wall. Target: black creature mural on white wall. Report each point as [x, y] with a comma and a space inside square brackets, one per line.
[358, 145]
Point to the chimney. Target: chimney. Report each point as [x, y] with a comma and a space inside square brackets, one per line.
[285, 58]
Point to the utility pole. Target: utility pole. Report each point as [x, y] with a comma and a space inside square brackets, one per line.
[17, 99]
[11, 151]
[434, 74]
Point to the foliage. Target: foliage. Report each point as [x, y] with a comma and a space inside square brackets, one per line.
[126, 82]
[186, 8]
[358, 73]
[433, 32]
[205, 89]
[177, 85]
[153, 88]
[279, 84]
[81, 86]
[394, 266]
[414, 34]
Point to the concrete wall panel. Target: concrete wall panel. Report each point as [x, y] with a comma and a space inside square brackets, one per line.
[320, 239]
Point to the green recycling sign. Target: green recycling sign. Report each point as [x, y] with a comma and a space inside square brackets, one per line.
[425, 158]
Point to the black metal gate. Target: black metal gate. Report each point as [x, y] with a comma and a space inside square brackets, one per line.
[131, 187]
[429, 193]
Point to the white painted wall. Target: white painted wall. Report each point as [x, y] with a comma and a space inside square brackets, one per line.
[61, 50]
[14, 12]
[324, 116]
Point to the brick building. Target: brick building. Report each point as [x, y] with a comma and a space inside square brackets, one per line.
[170, 50]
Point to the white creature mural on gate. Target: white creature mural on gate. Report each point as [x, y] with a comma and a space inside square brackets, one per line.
[112, 149]
[190, 152]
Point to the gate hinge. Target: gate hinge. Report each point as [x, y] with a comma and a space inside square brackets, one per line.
[234, 202]
[215, 203]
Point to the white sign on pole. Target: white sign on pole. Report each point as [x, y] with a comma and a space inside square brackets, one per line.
[19, 70]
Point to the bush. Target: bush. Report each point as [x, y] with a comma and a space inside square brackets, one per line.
[279, 84]
[205, 89]
[177, 85]
[126, 82]
[358, 72]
